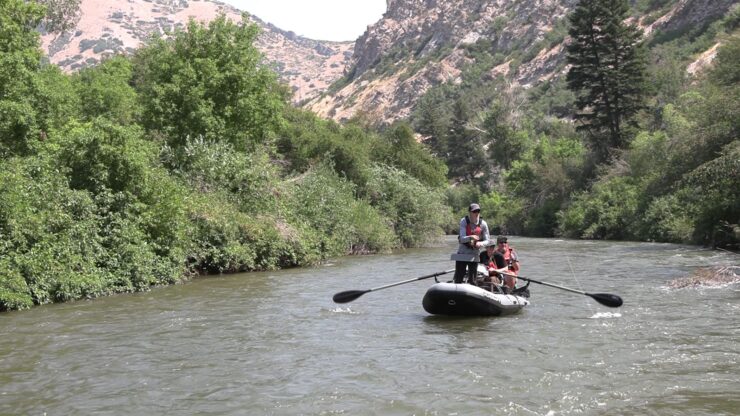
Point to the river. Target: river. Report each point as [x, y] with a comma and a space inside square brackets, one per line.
[273, 343]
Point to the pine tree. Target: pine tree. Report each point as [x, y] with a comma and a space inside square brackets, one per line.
[607, 73]
[467, 157]
[432, 122]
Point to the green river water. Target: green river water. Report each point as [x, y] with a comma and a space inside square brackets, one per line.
[274, 343]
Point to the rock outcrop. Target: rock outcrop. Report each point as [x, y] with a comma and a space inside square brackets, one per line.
[422, 43]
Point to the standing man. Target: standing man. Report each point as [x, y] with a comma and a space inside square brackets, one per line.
[472, 236]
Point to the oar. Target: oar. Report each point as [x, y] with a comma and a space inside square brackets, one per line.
[350, 295]
[606, 299]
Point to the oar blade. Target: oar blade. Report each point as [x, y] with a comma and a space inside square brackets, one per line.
[607, 299]
[348, 296]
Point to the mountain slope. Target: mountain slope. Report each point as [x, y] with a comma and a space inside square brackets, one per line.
[422, 43]
[108, 27]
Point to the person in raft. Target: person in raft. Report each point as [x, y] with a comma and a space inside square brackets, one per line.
[472, 236]
[494, 262]
[511, 260]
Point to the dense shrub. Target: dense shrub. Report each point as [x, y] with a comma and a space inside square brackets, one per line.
[248, 180]
[326, 203]
[607, 212]
[20, 58]
[398, 147]
[207, 80]
[307, 140]
[106, 91]
[418, 213]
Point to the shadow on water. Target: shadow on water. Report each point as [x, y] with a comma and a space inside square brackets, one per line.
[460, 324]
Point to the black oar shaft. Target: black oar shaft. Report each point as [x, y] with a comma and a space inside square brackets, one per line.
[350, 295]
[553, 285]
[411, 280]
[606, 299]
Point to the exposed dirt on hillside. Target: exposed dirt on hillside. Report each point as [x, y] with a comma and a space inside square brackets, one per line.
[109, 27]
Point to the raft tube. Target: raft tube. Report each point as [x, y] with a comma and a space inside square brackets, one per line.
[462, 299]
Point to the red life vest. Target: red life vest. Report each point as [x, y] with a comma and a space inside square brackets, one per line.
[510, 259]
[470, 230]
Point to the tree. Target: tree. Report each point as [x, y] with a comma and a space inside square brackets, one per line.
[607, 72]
[104, 91]
[208, 81]
[504, 147]
[399, 148]
[432, 121]
[726, 71]
[20, 58]
[467, 157]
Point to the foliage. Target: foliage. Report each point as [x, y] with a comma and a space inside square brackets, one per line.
[541, 182]
[57, 102]
[607, 72]
[398, 148]
[105, 91]
[431, 120]
[208, 81]
[465, 147]
[506, 144]
[306, 140]
[713, 197]
[326, 202]
[248, 180]
[19, 63]
[418, 214]
[604, 213]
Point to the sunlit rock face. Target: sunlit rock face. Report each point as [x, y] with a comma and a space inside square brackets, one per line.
[416, 45]
[422, 43]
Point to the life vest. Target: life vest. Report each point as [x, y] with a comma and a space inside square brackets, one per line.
[491, 263]
[469, 230]
[511, 259]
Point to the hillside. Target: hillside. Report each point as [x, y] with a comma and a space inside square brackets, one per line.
[421, 44]
[108, 27]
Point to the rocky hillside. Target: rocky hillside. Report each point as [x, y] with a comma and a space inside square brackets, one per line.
[422, 43]
[108, 27]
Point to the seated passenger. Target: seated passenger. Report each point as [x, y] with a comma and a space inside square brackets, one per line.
[494, 262]
[510, 260]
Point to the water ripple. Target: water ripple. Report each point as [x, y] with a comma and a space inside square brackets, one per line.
[254, 344]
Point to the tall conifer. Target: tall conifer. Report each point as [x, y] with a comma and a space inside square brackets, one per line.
[607, 72]
[467, 157]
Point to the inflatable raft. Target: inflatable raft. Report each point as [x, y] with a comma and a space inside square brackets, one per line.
[462, 299]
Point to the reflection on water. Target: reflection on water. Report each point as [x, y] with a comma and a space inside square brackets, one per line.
[274, 343]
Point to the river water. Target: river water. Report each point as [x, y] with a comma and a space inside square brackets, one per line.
[275, 344]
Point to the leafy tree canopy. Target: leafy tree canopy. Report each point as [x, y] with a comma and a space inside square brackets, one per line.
[208, 81]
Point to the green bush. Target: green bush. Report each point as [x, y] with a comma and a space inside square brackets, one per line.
[49, 235]
[609, 211]
[20, 58]
[418, 213]
[208, 80]
[105, 91]
[247, 179]
[14, 292]
[327, 204]
[398, 147]
[666, 220]
[307, 140]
